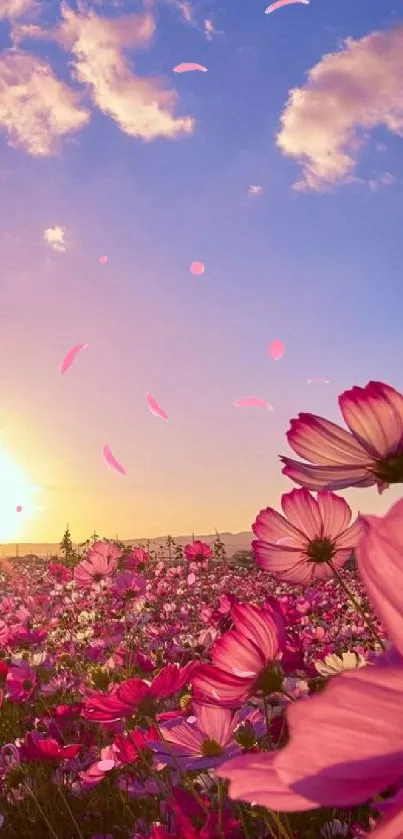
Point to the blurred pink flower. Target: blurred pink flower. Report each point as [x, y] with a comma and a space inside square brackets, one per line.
[371, 454]
[101, 562]
[244, 659]
[198, 554]
[135, 557]
[296, 547]
[364, 706]
[36, 747]
[20, 681]
[129, 585]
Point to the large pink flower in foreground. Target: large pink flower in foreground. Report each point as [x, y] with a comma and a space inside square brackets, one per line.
[244, 658]
[346, 744]
[297, 548]
[371, 454]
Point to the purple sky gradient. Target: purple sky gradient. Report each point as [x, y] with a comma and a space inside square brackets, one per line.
[320, 271]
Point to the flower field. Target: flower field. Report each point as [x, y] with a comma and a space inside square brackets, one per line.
[205, 700]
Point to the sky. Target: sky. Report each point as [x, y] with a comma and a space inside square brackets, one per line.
[280, 169]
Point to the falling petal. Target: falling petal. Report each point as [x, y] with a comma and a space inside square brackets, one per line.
[188, 67]
[197, 268]
[105, 765]
[69, 358]
[112, 462]
[19, 508]
[191, 579]
[103, 260]
[250, 401]
[276, 350]
[155, 408]
[318, 381]
[280, 3]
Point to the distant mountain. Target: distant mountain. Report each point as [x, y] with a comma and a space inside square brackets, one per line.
[233, 542]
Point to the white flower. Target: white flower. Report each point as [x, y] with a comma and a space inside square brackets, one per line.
[333, 664]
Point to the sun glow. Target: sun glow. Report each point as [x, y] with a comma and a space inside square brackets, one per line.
[17, 498]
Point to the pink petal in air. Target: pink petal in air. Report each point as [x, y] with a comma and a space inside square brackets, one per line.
[318, 381]
[280, 3]
[276, 350]
[197, 269]
[155, 408]
[19, 508]
[191, 579]
[250, 401]
[70, 356]
[188, 67]
[112, 462]
[103, 260]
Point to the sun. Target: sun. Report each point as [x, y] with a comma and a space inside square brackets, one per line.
[17, 498]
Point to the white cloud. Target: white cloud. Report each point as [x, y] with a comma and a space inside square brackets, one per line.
[255, 189]
[383, 180]
[15, 8]
[36, 109]
[141, 107]
[209, 29]
[347, 94]
[55, 237]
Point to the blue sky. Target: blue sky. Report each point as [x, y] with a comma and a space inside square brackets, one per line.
[319, 269]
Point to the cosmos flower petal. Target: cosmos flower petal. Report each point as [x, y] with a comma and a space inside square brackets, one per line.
[374, 417]
[343, 770]
[334, 512]
[210, 684]
[301, 509]
[379, 557]
[326, 477]
[323, 442]
[235, 652]
[264, 627]
[254, 778]
[272, 527]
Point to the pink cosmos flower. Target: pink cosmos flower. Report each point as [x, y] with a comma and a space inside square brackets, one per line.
[137, 556]
[20, 681]
[134, 693]
[129, 585]
[352, 731]
[371, 454]
[198, 554]
[36, 747]
[200, 742]
[298, 546]
[101, 562]
[244, 659]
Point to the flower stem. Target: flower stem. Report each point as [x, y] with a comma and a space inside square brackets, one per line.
[43, 814]
[355, 603]
[267, 719]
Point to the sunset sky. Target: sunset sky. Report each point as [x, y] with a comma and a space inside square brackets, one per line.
[105, 151]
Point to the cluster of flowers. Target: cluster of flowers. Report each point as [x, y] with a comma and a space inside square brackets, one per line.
[212, 702]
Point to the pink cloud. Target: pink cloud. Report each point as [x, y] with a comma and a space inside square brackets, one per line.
[347, 94]
[15, 8]
[36, 109]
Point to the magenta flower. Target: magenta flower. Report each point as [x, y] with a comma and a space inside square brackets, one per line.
[101, 563]
[36, 747]
[346, 744]
[198, 553]
[244, 659]
[20, 681]
[297, 546]
[129, 585]
[200, 742]
[372, 454]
